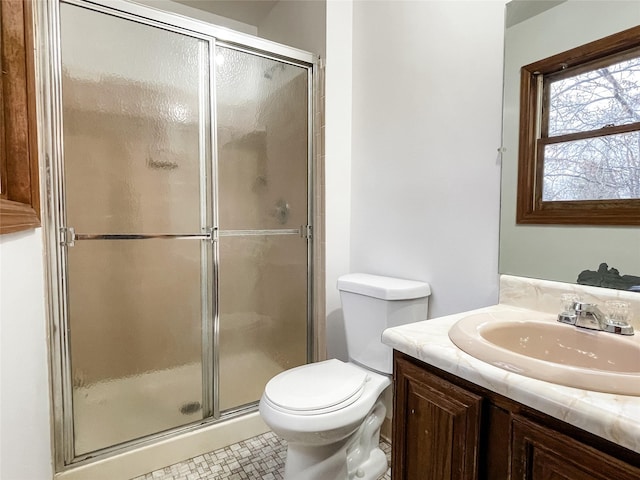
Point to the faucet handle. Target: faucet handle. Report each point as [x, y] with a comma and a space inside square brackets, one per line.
[568, 300]
[617, 317]
[568, 314]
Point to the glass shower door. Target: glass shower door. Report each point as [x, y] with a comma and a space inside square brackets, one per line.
[137, 196]
[184, 269]
[262, 115]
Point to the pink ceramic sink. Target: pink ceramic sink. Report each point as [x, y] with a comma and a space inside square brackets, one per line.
[537, 346]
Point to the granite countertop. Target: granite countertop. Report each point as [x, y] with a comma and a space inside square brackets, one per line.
[613, 417]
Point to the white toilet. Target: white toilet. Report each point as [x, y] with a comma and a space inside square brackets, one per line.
[330, 412]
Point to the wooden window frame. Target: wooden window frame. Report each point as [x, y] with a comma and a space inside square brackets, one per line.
[530, 208]
[19, 179]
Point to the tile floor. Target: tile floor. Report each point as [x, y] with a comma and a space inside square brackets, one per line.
[258, 458]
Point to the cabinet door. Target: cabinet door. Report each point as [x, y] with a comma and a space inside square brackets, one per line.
[540, 453]
[435, 429]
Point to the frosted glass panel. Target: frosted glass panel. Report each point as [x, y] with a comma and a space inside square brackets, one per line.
[262, 109]
[136, 324]
[133, 96]
[136, 156]
[263, 313]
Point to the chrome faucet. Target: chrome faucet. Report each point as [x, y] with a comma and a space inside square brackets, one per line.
[588, 315]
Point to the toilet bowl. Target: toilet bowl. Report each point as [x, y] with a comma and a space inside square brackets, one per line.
[330, 412]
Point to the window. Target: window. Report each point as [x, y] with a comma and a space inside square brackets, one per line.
[579, 154]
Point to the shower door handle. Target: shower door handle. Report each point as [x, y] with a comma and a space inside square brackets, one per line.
[259, 233]
[70, 236]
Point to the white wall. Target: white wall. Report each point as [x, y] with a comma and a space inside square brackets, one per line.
[297, 24]
[25, 436]
[196, 13]
[337, 166]
[427, 79]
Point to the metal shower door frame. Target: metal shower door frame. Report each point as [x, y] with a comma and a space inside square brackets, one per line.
[49, 79]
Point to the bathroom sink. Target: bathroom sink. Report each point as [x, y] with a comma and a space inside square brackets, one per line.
[537, 346]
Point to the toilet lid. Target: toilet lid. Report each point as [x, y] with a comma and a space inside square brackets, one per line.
[326, 386]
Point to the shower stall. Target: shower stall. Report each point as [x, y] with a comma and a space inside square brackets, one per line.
[180, 218]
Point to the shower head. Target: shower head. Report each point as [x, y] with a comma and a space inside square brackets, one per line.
[268, 73]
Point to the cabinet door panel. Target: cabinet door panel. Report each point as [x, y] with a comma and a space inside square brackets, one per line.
[540, 453]
[439, 435]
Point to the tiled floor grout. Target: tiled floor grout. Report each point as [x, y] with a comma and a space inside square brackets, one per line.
[258, 458]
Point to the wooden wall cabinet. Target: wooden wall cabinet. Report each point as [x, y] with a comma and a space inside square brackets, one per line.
[445, 428]
[19, 184]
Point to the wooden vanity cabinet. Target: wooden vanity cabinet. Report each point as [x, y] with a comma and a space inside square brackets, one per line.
[540, 453]
[438, 427]
[445, 428]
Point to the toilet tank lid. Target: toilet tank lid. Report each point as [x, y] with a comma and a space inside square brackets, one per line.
[385, 288]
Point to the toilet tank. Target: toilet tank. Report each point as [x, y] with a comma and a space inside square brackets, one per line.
[372, 303]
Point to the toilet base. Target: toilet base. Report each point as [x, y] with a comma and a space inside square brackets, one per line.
[358, 457]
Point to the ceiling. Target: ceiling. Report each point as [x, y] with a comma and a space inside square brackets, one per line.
[251, 12]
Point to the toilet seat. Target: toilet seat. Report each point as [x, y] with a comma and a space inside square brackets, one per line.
[316, 388]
